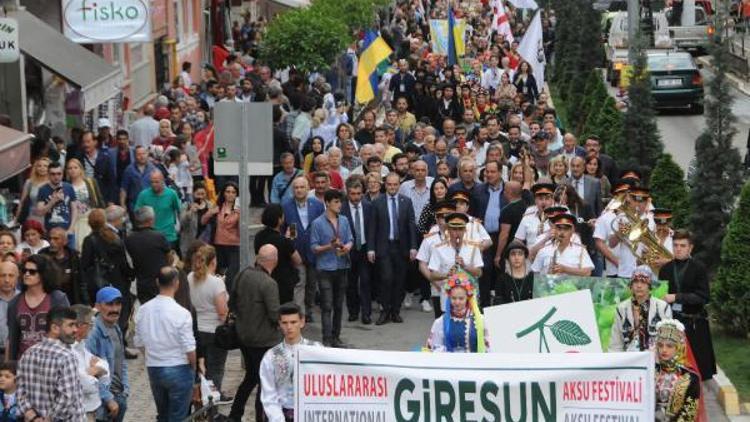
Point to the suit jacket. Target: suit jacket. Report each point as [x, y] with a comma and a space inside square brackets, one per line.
[302, 242]
[609, 168]
[432, 159]
[366, 209]
[592, 192]
[103, 173]
[480, 200]
[379, 229]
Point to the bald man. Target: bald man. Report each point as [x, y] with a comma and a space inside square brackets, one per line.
[256, 305]
[166, 205]
[8, 283]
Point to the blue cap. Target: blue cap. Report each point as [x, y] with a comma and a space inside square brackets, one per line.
[107, 294]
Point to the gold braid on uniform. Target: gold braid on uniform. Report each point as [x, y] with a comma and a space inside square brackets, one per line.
[689, 411]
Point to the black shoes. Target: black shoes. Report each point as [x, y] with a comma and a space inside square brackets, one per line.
[352, 317]
[383, 319]
[366, 320]
[337, 343]
[396, 318]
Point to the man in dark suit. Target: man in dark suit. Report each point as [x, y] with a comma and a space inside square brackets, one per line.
[299, 213]
[688, 296]
[359, 291]
[440, 154]
[148, 251]
[97, 164]
[392, 240]
[488, 202]
[449, 107]
[587, 187]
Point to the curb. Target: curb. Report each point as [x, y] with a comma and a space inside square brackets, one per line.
[727, 395]
[734, 80]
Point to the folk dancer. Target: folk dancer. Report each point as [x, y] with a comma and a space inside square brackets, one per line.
[461, 329]
[636, 318]
[563, 256]
[677, 387]
[454, 254]
[277, 366]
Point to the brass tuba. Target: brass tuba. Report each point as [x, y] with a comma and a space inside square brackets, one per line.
[633, 232]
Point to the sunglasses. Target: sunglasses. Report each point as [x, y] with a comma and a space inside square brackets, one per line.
[30, 271]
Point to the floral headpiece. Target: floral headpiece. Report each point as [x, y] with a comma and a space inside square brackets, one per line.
[460, 279]
[671, 330]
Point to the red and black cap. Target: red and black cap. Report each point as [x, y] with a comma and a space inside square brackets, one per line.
[565, 219]
[461, 195]
[552, 212]
[640, 193]
[457, 220]
[543, 189]
[662, 215]
[445, 207]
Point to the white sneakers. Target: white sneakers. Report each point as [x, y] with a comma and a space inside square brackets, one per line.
[407, 300]
[426, 307]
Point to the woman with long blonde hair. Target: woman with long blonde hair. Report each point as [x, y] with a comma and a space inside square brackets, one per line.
[208, 294]
[88, 197]
[30, 192]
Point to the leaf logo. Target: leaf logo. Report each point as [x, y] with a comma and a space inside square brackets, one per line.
[565, 332]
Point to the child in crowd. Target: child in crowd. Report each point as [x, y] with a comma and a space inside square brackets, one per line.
[10, 410]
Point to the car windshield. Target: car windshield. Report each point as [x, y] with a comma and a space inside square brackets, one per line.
[670, 62]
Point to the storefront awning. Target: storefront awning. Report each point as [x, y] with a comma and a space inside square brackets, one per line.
[15, 150]
[98, 80]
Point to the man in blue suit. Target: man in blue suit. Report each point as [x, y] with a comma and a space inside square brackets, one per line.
[440, 154]
[299, 213]
[97, 164]
[391, 243]
[359, 290]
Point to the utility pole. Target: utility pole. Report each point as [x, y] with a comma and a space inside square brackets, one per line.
[634, 15]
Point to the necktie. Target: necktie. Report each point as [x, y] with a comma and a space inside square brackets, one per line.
[357, 227]
[394, 218]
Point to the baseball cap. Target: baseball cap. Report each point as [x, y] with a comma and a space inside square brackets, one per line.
[107, 294]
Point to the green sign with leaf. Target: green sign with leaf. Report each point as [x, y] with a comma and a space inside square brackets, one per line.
[606, 294]
[565, 332]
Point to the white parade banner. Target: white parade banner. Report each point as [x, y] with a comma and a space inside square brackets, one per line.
[372, 385]
[553, 324]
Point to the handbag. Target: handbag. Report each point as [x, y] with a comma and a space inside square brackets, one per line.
[225, 335]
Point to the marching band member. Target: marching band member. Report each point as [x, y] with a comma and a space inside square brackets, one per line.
[603, 231]
[563, 256]
[437, 234]
[454, 254]
[461, 329]
[677, 387]
[638, 197]
[664, 232]
[531, 228]
[636, 318]
[475, 231]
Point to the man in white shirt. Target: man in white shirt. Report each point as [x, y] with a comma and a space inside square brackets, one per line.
[144, 130]
[276, 374]
[491, 77]
[93, 372]
[563, 256]
[165, 330]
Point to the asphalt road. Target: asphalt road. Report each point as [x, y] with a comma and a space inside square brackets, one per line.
[679, 129]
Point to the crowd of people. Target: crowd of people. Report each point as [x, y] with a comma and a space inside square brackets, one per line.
[452, 194]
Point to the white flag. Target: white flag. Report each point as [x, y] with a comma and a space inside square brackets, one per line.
[500, 22]
[524, 4]
[531, 49]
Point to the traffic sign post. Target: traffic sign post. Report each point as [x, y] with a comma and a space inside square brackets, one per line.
[244, 147]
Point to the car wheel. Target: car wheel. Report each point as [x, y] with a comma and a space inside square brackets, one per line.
[697, 108]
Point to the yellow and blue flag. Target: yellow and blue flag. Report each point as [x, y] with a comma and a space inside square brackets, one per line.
[374, 51]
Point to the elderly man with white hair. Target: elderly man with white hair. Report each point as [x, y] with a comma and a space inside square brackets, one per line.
[334, 162]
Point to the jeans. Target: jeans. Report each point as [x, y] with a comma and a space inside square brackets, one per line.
[102, 414]
[252, 357]
[172, 387]
[332, 293]
[228, 263]
[215, 357]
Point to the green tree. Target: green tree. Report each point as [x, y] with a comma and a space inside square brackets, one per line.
[307, 39]
[640, 145]
[605, 122]
[730, 291]
[717, 176]
[594, 96]
[668, 190]
[356, 14]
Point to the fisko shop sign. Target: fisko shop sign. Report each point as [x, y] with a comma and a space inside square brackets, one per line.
[9, 50]
[107, 21]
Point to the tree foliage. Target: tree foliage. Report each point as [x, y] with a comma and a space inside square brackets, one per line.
[594, 97]
[669, 190]
[717, 177]
[731, 288]
[356, 14]
[306, 39]
[640, 145]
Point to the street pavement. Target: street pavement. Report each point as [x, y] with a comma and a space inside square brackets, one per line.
[679, 129]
